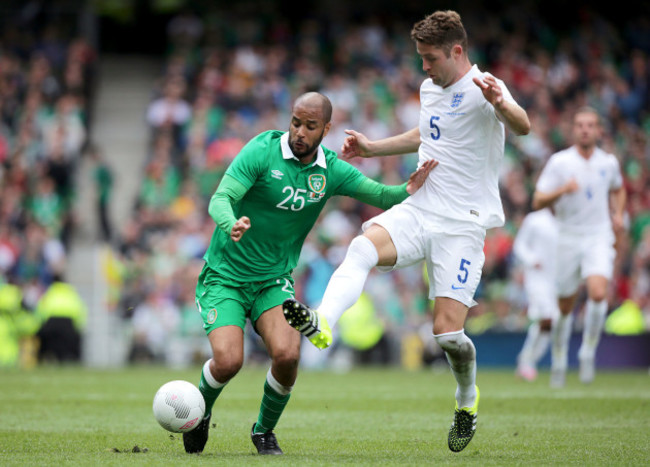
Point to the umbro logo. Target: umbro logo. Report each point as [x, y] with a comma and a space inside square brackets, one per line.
[275, 173]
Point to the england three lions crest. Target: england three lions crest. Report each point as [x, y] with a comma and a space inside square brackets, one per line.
[456, 99]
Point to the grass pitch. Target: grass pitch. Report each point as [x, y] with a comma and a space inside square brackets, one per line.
[78, 416]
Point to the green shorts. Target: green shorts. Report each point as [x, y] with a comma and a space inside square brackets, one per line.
[224, 302]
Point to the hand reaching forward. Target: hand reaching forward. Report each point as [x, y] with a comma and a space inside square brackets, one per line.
[355, 145]
[417, 178]
[240, 228]
[491, 90]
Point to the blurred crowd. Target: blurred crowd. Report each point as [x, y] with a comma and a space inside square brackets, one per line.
[228, 77]
[47, 75]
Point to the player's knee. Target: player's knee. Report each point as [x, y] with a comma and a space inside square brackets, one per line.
[545, 325]
[225, 367]
[566, 305]
[285, 355]
[362, 251]
[598, 295]
[286, 358]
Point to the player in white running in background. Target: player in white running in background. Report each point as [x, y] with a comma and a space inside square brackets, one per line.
[534, 247]
[584, 186]
[463, 116]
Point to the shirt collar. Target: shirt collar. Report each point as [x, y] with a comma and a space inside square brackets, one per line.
[288, 154]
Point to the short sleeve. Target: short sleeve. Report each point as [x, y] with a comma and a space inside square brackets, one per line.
[250, 162]
[617, 177]
[507, 95]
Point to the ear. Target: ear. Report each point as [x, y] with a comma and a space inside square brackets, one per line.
[457, 51]
[327, 128]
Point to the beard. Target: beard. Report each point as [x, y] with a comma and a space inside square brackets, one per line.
[305, 151]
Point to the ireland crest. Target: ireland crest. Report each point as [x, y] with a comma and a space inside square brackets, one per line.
[317, 183]
[212, 316]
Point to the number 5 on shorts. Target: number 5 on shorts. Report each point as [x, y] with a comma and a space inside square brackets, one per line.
[462, 278]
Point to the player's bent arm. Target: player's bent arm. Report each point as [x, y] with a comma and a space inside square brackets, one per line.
[547, 199]
[404, 143]
[513, 116]
[543, 200]
[229, 192]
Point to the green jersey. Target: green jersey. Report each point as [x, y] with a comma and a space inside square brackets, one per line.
[283, 199]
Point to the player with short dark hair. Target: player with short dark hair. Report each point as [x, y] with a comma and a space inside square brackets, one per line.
[267, 202]
[462, 117]
[584, 187]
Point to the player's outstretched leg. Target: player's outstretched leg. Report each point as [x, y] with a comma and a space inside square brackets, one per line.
[309, 322]
[266, 443]
[194, 441]
[464, 426]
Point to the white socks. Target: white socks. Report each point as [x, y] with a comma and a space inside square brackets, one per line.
[461, 356]
[595, 313]
[207, 374]
[346, 284]
[277, 387]
[535, 346]
[541, 345]
[561, 333]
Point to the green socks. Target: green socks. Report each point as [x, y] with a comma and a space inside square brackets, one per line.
[210, 388]
[274, 401]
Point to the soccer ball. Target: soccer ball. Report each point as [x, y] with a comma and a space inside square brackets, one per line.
[178, 406]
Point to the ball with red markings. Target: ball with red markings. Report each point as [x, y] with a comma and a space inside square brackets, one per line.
[178, 406]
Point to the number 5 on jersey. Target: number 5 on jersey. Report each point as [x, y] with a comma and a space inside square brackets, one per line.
[435, 129]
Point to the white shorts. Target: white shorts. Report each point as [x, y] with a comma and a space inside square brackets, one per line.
[582, 256]
[542, 296]
[452, 249]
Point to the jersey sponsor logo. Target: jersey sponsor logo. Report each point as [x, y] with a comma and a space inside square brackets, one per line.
[456, 99]
[212, 316]
[317, 183]
[275, 173]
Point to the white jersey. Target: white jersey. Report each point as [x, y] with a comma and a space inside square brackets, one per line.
[536, 243]
[585, 211]
[535, 247]
[460, 129]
